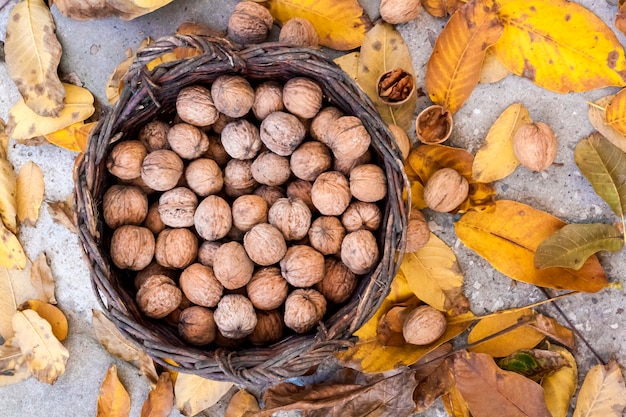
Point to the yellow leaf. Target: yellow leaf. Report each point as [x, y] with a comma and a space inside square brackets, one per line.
[113, 399]
[66, 138]
[597, 117]
[523, 337]
[384, 50]
[51, 314]
[349, 63]
[435, 277]
[41, 278]
[12, 254]
[111, 339]
[124, 9]
[442, 8]
[174, 55]
[194, 394]
[559, 387]
[495, 159]
[508, 238]
[4, 140]
[45, 355]
[241, 403]
[29, 193]
[25, 124]
[33, 53]
[453, 70]
[15, 289]
[603, 393]
[340, 25]
[160, 400]
[616, 112]
[455, 404]
[13, 368]
[492, 70]
[549, 42]
[82, 135]
[8, 206]
[417, 195]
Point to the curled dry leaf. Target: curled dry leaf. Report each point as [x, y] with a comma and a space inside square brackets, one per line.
[492, 70]
[62, 212]
[33, 53]
[52, 314]
[15, 289]
[603, 393]
[113, 399]
[13, 368]
[560, 386]
[194, 394]
[41, 278]
[124, 9]
[111, 338]
[597, 117]
[554, 330]
[29, 193]
[160, 400]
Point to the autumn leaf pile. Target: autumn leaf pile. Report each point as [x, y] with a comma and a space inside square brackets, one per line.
[514, 362]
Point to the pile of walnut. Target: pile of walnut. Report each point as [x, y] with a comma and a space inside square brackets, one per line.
[251, 211]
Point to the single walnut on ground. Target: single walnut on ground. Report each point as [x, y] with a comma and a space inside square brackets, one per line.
[445, 190]
[249, 23]
[304, 309]
[424, 325]
[302, 266]
[417, 232]
[232, 266]
[197, 326]
[122, 204]
[176, 248]
[267, 289]
[158, 296]
[265, 244]
[300, 32]
[200, 286]
[235, 316]
[535, 146]
[132, 247]
[125, 159]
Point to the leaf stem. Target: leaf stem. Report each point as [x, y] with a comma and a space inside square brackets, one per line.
[592, 104]
[537, 304]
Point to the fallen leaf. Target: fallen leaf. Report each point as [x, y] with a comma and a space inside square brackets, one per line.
[492, 70]
[442, 8]
[62, 212]
[604, 166]
[25, 124]
[45, 356]
[433, 386]
[8, 205]
[417, 195]
[434, 276]
[160, 400]
[29, 193]
[597, 117]
[4, 140]
[534, 364]
[560, 386]
[615, 112]
[514, 231]
[522, 337]
[384, 50]
[490, 391]
[454, 67]
[81, 135]
[12, 254]
[176, 54]
[66, 137]
[495, 159]
[570, 246]
[349, 63]
[194, 394]
[147, 368]
[620, 19]
[111, 338]
[194, 28]
[33, 53]
[241, 403]
[339, 25]
[113, 399]
[13, 368]
[41, 278]
[15, 289]
[50, 313]
[548, 42]
[554, 330]
[603, 393]
[454, 403]
[124, 9]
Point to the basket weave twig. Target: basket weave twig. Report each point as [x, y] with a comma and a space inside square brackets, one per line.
[151, 94]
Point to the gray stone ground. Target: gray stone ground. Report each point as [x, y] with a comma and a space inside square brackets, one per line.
[92, 49]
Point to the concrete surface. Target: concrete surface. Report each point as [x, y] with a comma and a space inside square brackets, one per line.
[93, 48]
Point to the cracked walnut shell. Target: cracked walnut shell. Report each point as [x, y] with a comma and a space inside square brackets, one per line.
[304, 309]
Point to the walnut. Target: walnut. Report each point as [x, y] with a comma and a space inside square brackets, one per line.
[302, 266]
[299, 32]
[302, 97]
[123, 204]
[323, 119]
[359, 251]
[310, 159]
[197, 325]
[235, 316]
[346, 165]
[424, 325]
[241, 139]
[187, 141]
[194, 105]
[347, 137]
[213, 218]
[125, 159]
[200, 286]
[339, 282]
[176, 248]
[153, 219]
[232, 95]
[222, 120]
[361, 215]
[396, 86]
[282, 132]
[326, 234]
[139, 183]
[445, 190]
[206, 252]
[158, 296]
[331, 193]
[216, 151]
[268, 329]
[248, 211]
[417, 232]
[249, 23]
[132, 247]
[153, 135]
[204, 177]
[291, 216]
[268, 98]
[173, 319]
[153, 269]
[304, 308]
[238, 179]
[267, 289]
[177, 207]
[399, 11]
[161, 170]
[232, 266]
[535, 145]
[402, 140]
[271, 169]
[301, 189]
[269, 193]
[368, 183]
[265, 244]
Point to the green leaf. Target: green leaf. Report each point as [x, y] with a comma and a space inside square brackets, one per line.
[570, 246]
[604, 166]
[533, 363]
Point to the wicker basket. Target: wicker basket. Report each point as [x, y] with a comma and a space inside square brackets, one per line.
[151, 94]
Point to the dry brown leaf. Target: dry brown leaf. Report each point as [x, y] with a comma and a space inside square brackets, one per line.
[492, 70]
[62, 212]
[41, 278]
[13, 368]
[597, 117]
[45, 355]
[111, 338]
[160, 400]
[33, 53]
[113, 399]
[194, 394]
[29, 193]
[15, 289]
[603, 393]
[8, 205]
[434, 386]
[52, 314]
[554, 330]
[124, 9]
[454, 403]
[147, 368]
[241, 403]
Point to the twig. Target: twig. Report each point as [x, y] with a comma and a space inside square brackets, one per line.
[4, 4]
